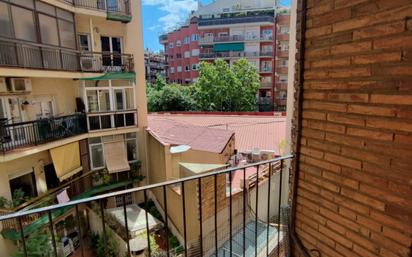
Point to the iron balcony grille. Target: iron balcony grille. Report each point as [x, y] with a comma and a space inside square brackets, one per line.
[116, 6]
[255, 224]
[237, 20]
[22, 54]
[31, 133]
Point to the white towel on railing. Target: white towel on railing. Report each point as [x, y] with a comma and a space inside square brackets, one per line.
[63, 197]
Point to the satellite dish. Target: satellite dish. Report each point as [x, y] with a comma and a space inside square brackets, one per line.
[179, 149]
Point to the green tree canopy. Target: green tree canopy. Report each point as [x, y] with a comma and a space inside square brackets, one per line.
[219, 88]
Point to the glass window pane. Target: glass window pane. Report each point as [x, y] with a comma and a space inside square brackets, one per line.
[26, 3]
[92, 103]
[119, 100]
[97, 156]
[131, 150]
[23, 24]
[46, 8]
[64, 14]
[67, 36]
[129, 99]
[84, 42]
[5, 26]
[48, 30]
[104, 99]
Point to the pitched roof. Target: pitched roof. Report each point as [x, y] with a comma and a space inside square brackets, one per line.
[169, 131]
[251, 131]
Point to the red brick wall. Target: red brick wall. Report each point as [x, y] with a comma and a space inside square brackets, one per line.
[354, 194]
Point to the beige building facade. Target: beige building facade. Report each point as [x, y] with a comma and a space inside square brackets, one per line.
[72, 91]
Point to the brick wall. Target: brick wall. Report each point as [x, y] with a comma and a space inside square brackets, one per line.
[354, 194]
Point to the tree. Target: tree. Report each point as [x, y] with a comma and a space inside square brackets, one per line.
[224, 88]
[171, 98]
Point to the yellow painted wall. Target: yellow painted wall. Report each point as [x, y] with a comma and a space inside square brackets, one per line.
[163, 165]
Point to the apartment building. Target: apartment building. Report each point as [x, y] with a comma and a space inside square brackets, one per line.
[155, 65]
[257, 31]
[72, 103]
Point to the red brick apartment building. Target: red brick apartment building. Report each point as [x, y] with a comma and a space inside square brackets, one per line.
[258, 31]
[353, 128]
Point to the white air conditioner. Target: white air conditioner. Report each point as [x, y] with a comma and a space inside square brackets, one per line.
[90, 63]
[20, 85]
[3, 85]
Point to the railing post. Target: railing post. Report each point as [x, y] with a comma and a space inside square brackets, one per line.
[22, 237]
[147, 223]
[126, 223]
[200, 216]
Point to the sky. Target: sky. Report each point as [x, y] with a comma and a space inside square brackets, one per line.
[162, 15]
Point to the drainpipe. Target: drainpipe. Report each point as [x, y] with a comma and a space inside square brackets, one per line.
[298, 129]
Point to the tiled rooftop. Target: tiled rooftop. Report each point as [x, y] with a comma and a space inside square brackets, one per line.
[251, 131]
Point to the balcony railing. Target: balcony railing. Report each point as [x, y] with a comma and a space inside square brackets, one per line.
[116, 6]
[31, 133]
[266, 85]
[214, 55]
[233, 38]
[106, 62]
[251, 206]
[266, 69]
[111, 120]
[235, 20]
[14, 53]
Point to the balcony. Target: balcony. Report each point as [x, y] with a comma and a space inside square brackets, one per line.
[111, 120]
[282, 37]
[117, 10]
[214, 55]
[14, 53]
[234, 38]
[235, 20]
[266, 85]
[32, 133]
[281, 85]
[253, 213]
[282, 70]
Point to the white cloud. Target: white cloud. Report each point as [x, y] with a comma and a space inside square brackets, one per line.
[177, 11]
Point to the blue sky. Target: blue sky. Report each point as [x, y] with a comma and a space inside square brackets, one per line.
[161, 15]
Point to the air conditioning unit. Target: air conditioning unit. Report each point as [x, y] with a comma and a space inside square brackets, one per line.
[3, 85]
[20, 85]
[89, 63]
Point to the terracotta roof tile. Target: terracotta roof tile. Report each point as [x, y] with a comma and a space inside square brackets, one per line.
[174, 132]
[251, 131]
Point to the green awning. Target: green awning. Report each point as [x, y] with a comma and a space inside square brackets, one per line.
[229, 47]
[114, 16]
[114, 76]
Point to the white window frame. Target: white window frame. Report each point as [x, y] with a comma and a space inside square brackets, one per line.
[186, 54]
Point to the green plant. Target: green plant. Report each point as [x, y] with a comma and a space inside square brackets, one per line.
[4, 203]
[37, 245]
[18, 198]
[106, 245]
[69, 223]
[102, 176]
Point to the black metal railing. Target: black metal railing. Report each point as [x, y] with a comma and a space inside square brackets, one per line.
[234, 38]
[242, 219]
[115, 6]
[21, 54]
[236, 54]
[225, 21]
[112, 119]
[30, 133]
[106, 62]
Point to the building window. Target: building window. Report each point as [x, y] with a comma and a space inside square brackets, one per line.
[195, 52]
[24, 26]
[195, 37]
[172, 69]
[187, 54]
[209, 35]
[178, 56]
[284, 63]
[223, 34]
[284, 30]
[25, 182]
[187, 81]
[195, 66]
[195, 79]
[84, 42]
[179, 68]
[96, 148]
[267, 34]
[187, 68]
[178, 43]
[186, 40]
[171, 45]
